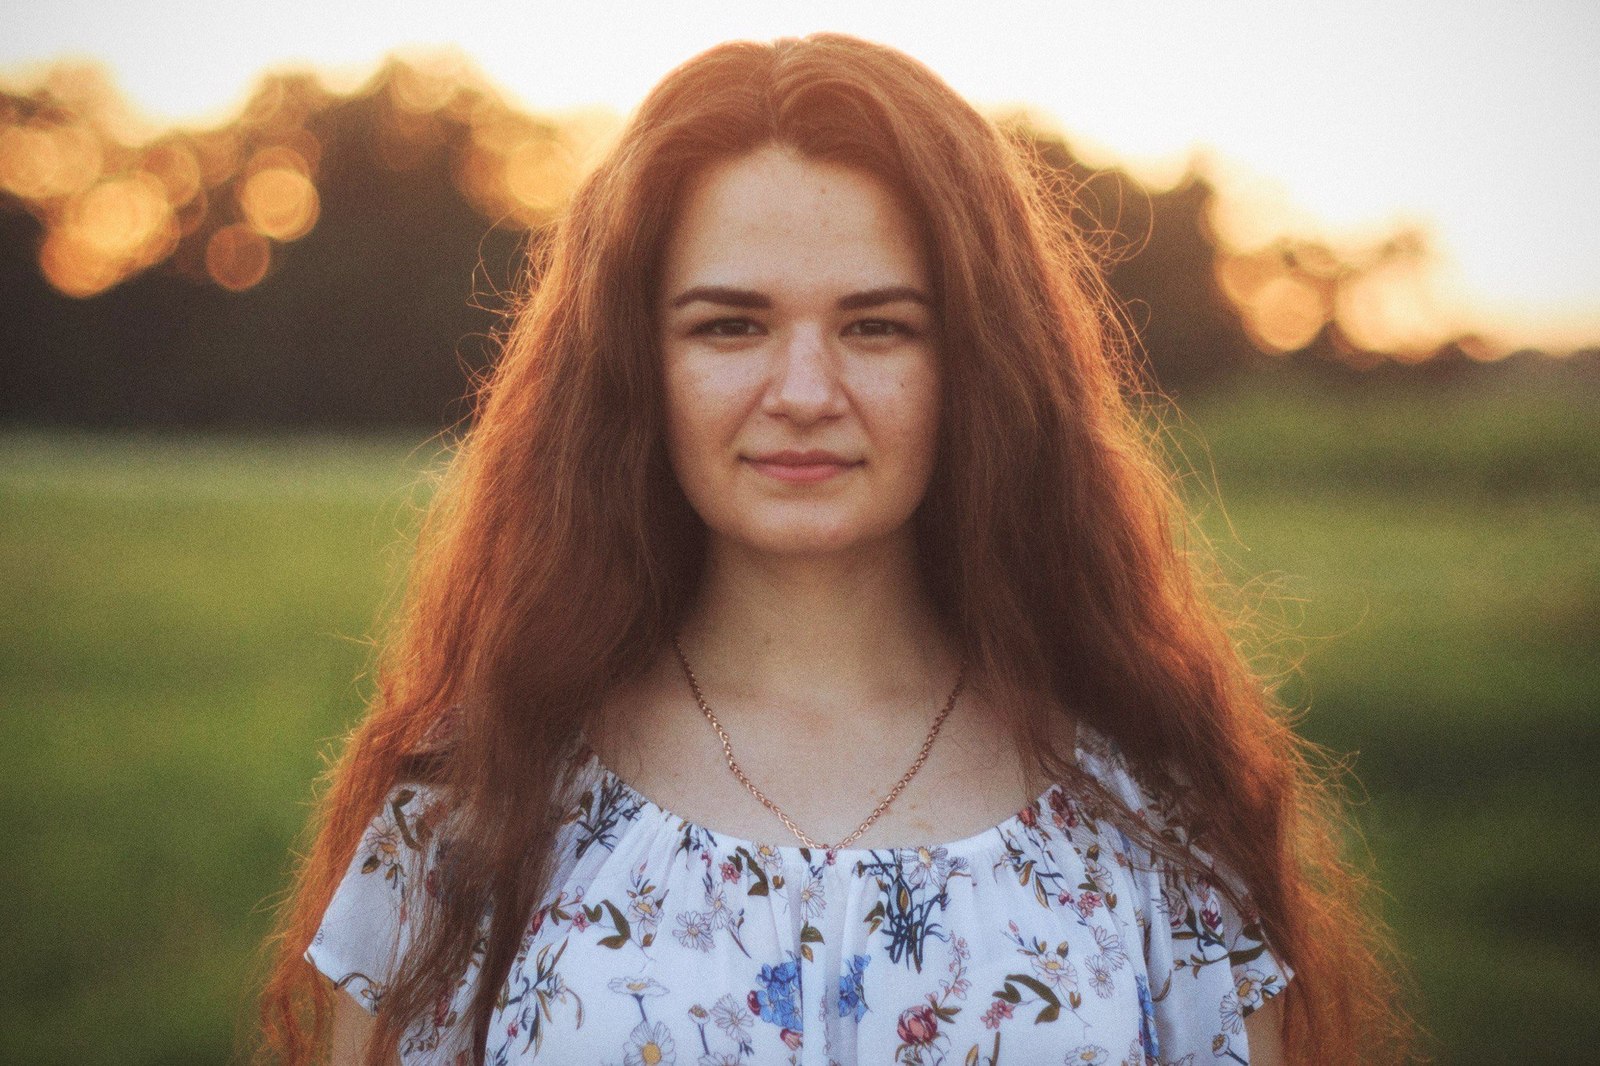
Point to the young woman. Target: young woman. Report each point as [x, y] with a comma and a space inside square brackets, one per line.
[798, 665]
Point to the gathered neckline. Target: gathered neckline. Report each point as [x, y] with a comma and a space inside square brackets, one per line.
[799, 854]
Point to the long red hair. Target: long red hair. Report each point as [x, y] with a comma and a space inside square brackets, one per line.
[558, 553]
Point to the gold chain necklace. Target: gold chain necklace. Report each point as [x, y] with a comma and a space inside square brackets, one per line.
[894, 793]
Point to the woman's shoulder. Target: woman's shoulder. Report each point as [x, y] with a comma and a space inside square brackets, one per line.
[1158, 797]
[1101, 758]
[1149, 815]
[1210, 961]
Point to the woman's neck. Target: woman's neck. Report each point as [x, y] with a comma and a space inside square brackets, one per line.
[825, 636]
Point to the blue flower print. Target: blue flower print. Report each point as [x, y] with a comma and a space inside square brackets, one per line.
[852, 997]
[1147, 1020]
[970, 961]
[777, 1001]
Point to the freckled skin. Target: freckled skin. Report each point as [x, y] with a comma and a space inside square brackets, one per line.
[802, 373]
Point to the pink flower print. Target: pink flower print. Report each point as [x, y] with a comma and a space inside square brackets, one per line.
[1087, 902]
[580, 921]
[791, 1039]
[730, 872]
[998, 1012]
[918, 1026]
[1211, 913]
[441, 1010]
[1029, 816]
[1062, 811]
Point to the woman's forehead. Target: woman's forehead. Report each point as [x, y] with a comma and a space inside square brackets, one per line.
[775, 219]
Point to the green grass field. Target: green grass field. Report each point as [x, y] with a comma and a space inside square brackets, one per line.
[183, 639]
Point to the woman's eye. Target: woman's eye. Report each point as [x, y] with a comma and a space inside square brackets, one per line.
[882, 327]
[724, 327]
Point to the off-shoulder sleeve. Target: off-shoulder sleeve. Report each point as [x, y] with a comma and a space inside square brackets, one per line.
[1209, 963]
[375, 912]
[370, 921]
[1210, 967]
[374, 915]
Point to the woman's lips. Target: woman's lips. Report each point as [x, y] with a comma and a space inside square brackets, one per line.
[801, 473]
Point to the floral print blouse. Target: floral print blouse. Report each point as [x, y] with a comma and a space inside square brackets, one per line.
[1049, 938]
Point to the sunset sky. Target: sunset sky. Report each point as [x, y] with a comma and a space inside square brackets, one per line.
[1475, 119]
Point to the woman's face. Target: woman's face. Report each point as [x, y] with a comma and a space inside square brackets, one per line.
[799, 355]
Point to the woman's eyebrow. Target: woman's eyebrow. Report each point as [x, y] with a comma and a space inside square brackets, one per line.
[721, 294]
[888, 294]
[749, 298]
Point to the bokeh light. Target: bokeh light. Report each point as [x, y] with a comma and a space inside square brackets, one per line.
[1390, 309]
[1285, 314]
[113, 230]
[217, 153]
[43, 162]
[174, 163]
[237, 257]
[279, 203]
[210, 199]
[72, 266]
[405, 140]
[540, 174]
[113, 204]
[123, 217]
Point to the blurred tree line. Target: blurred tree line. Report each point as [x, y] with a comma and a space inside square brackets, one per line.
[333, 259]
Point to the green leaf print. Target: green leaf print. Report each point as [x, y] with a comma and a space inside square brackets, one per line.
[620, 923]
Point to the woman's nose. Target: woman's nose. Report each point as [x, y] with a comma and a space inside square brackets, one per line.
[804, 381]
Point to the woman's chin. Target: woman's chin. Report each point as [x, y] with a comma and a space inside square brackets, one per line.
[802, 542]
